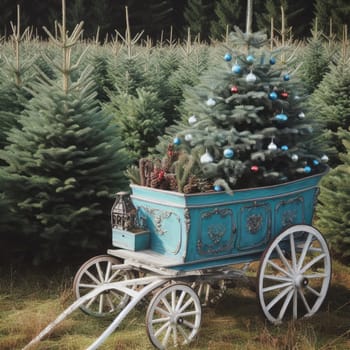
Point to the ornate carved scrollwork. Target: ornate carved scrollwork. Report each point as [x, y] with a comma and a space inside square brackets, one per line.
[254, 223]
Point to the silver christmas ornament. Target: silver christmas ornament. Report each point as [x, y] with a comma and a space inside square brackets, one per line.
[295, 157]
[192, 119]
[250, 78]
[211, 102]
[188, 137]
[206, 158]
[324, 158]
[272, 146]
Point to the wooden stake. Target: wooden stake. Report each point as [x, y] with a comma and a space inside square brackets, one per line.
[249, 16]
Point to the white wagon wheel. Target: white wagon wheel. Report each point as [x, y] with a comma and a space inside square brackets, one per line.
[173, 316]
[93, 273]
[294, 274]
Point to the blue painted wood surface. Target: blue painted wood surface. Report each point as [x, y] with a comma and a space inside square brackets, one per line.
[130, 240]
[206, 227]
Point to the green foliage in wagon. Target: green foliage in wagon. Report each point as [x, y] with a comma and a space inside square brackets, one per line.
[333, 211]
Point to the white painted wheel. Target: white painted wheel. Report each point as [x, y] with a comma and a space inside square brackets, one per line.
[294, 274]
[95, 272]
[173, 316]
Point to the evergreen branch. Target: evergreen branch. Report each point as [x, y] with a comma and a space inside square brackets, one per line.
[75, 66]
[53, 39]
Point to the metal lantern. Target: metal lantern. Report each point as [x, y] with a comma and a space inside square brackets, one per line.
[123, 212]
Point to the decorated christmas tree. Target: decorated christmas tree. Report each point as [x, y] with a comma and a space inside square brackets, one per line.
[243, 126]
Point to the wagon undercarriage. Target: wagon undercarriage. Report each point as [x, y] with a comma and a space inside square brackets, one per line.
[291, 282]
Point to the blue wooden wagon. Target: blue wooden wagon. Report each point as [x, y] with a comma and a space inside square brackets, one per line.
[187, 248]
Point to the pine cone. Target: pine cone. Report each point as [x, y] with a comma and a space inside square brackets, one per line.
[192, 185]
[171, 180]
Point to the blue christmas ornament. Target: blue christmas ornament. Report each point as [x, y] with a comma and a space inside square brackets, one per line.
[228, 153]
[281, 117]
[286, 77]
[273, 95]
[315, 162]
[177, 141]
[250, 59]
[307, 169]
[272, 60]
[217, 188]
[236, 68]
[227, 57]
[284, 148]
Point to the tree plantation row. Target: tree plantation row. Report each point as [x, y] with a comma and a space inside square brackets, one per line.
[75, 117]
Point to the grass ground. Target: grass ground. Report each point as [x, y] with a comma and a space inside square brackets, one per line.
[31, 298]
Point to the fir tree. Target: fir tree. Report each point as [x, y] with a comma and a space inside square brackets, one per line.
[334, 203]
[315, 58]
[330, 105]
[139, 119]
[63, 165]
[100, 60]
[298, 15]
[161, 65]
[332, 15]
[198, 14]
[227, 12]
[244, 124]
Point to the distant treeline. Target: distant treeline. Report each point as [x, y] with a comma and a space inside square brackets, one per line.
[156, 18]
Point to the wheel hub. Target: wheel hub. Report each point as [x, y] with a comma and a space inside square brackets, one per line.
[175, 318]
[301, 281]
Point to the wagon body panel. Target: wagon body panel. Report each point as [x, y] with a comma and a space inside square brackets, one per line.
[217, 227]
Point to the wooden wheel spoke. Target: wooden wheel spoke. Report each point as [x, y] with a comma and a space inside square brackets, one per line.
[186, 305]
[304, 251]
[277, 278]
[166, 304]
[116, 273]
[285, 304]
[293, 252]
[108, 272]
[161, 329]
[99, 271]
[91, 301]
[278, 268]
[277, 286]
[189, 313]
[110, 303]
[162, 311]
[295, 304]
[280, 296]
[86, 285]
[101, 303]
[283, 258]
[184, 334]
[175, 342]
[306, 304]
[167, 335]
[160, 320]
[313, 291]
[180, 301]
[313, 262]
[92, 277]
